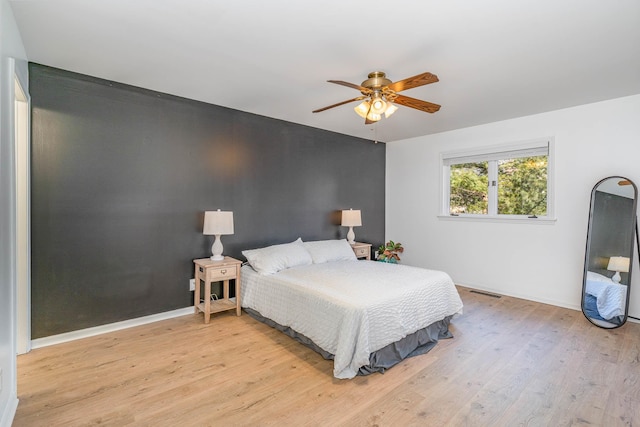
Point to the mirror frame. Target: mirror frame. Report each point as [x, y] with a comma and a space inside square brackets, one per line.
[632, 240]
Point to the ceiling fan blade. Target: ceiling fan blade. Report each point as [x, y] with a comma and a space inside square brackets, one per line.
[351, 85]
[425, 106]
[415, 81]
[340, 103]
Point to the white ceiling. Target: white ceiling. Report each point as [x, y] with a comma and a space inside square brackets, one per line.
[496, 59]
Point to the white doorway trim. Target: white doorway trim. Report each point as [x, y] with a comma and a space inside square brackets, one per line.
[22, 150]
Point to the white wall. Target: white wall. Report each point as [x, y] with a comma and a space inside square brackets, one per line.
[537, 262]
[10, 46]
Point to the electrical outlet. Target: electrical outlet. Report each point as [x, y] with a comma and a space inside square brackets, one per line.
[192, 284]
[375, 254]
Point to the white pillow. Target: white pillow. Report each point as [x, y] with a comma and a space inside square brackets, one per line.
[330, 250]
[274, 258]
[596, 277]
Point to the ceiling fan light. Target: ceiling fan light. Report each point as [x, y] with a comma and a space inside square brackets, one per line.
[362, 109]
[390, 110]
[378, 105]
[374, 117]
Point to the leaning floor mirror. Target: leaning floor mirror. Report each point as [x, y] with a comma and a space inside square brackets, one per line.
[609, 253]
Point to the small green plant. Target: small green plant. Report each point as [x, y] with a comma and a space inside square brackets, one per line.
[389, 251]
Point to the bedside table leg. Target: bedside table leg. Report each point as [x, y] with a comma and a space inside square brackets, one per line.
[196, 291]
[207, 301]
[238, 307]
[225, 290]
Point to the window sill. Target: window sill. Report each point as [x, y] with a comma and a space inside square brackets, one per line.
[500, 218]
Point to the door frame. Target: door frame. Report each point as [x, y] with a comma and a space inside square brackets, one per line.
[22, 180]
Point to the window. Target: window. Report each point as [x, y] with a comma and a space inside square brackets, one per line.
[510, 182]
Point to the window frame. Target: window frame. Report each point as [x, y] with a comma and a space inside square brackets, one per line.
[489, 153]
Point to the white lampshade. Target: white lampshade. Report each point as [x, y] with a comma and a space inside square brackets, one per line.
[618, 263]
[217, 223]
[378, 105]
[390, 110]
[363, 108]
[351, 218]
[373, 117]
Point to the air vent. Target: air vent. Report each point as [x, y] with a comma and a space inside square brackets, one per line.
[486, 294]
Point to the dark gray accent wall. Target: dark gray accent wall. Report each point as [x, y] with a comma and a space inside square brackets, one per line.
[612, 231]
[121, 177]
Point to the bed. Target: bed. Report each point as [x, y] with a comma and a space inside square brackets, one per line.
[365, 315]
[604, 299]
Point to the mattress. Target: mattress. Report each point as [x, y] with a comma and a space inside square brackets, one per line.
[351, 309]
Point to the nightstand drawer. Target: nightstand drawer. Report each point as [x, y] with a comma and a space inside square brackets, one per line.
[221, 273]
[360, 252]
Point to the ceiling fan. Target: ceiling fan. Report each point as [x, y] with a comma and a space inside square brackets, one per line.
[379, 94]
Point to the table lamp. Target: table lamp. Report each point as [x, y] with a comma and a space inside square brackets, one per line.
[217, 223]
[351, 218]
[618, 264]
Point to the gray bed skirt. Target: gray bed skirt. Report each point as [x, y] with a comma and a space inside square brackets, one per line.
[420, 342]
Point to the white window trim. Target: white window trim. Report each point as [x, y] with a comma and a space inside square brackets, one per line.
[446, 156]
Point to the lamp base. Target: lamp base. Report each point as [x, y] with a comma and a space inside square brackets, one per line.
[216, 249]
[351, 236]
[616, 277]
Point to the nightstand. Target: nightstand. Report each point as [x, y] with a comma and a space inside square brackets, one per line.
[362, 250]
[216, 271]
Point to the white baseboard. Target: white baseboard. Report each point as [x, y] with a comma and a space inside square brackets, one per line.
[521, 296]
[530, 298]
[111, 327]
[9, 411]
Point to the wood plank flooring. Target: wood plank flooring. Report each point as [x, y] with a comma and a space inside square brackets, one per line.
[512, 362]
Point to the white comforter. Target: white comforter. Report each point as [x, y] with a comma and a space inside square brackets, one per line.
[610, 297]
[352, 308]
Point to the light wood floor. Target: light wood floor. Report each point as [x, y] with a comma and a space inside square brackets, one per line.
[512, 362]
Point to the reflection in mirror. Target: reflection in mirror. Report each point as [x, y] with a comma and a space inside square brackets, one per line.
[609, 252]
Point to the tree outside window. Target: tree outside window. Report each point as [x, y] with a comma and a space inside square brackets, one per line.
[522, 186]
[510, 181]
[469, 188]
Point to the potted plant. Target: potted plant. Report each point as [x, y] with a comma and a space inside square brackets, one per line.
[389, 252]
